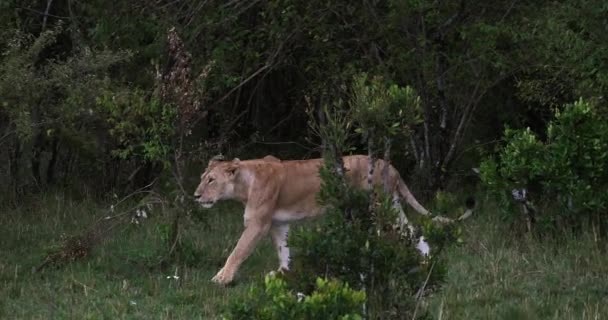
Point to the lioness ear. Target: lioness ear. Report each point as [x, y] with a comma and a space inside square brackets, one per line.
[215, 160]
[233, 169]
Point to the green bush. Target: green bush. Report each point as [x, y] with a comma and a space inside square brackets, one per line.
[565, 176]
[331, 299]
[144, 127]
[357, 242]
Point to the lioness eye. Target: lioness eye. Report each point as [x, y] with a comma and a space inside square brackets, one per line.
[210, 180]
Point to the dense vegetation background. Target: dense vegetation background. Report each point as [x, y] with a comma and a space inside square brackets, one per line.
[92, 92]
[100, 99]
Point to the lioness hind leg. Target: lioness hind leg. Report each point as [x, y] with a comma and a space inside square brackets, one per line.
[279, 232]
[422, 246]
[403, 221]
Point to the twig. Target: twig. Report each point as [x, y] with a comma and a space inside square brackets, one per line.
[46, 14]
[136, 192]
[42, 13]
[421, 291]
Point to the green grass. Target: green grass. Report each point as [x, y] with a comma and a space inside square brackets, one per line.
[495, 274]
[500, 274]
[122, 279]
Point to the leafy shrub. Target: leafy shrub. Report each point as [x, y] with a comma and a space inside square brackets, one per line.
[357, 242]
[331, 299]
[565, 176]
[143, 127]
[382, 110]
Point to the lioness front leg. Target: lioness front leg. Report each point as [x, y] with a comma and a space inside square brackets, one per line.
[279, 232]
[254, 231]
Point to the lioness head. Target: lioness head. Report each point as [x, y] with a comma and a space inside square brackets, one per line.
[217, 182]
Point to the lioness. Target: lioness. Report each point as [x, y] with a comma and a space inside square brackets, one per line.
[276, 193]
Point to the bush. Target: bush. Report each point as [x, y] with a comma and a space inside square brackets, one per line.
[331, 299]
[143, 127]
[357, 242]
[569, 170]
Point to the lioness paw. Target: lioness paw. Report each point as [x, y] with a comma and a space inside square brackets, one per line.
[222, 278]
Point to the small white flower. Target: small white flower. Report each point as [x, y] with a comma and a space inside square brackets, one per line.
[519, 194]
[133, 303]
[300, 296]
[174, 276]
[362, 276]
[423, 247]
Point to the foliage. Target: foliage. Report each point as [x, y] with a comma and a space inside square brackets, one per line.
[491, 275]
[359, 240]
[384, 109]
[334, 127]
[472, 67]
[566, 173]
[361, 246]
[43, 94]
[49, 107]
[143, 126]
[330, 299]
[567, 44]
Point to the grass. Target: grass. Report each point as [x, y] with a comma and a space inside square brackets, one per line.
[122, 279]
[493, 275]
[500, 274]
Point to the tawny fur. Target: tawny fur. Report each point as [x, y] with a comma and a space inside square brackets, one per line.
[276, 192]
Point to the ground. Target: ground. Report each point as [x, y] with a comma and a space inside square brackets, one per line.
[494, 274]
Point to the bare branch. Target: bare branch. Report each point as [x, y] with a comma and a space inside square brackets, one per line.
[46, 14]
[465, 115]
[43, 13]
[450, 22]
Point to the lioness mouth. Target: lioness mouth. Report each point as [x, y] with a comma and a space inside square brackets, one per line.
[207, 204]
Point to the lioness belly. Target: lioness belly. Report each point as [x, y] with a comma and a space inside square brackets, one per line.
[289, 215]
[295, 213]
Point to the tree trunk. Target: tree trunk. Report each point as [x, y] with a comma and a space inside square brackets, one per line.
[50, 171]
[37, 149]
[387, 159]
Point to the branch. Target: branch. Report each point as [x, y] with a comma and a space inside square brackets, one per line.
[461, 125]
[469, 111]
[387, 159]
[270, 63]
[415, 150]
[421, 291]
[42, 13]
[508, 10]
[450, 22]
[46, 14]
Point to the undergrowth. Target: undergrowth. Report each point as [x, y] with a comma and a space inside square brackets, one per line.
[494, 274]
[500, 273]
